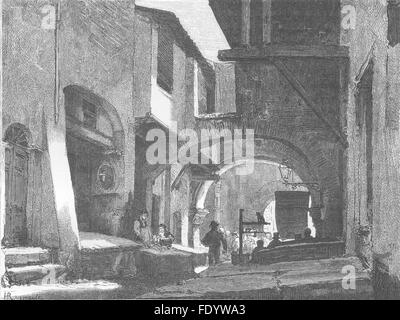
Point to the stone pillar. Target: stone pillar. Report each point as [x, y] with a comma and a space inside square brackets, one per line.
[62, 188]
[167, 190]
[218, 209]
[246, 22]
[149, 199]
[318, 223]
[185, 229]
[197, 221]
[267, 21]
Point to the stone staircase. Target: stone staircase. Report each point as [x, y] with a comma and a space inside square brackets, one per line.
[32, 265]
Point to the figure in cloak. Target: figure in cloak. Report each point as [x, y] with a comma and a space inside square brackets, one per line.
[142, 230]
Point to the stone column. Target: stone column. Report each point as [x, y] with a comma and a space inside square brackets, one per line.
[246, 22]
[318, 223]
[149, 199]
[167, 188]
[64, 197]
[267, 21]
[197, 221]
[218, 209]
[185, 229]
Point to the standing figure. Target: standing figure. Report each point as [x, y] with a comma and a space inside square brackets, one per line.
[234, 243]
[213, 239]
[142, 230]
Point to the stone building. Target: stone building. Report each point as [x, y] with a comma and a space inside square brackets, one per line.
[67, 120]
[84, 82]
[320, 78]
[291, 81]
[372, 175]
[175, 85]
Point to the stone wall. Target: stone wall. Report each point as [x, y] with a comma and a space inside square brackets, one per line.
[97, 54]
[87, 58]
[28, 75]
[378, 223]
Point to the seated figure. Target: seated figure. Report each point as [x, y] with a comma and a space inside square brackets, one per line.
[254, 254]
[275, 241]
[164, 238]
[307, 235]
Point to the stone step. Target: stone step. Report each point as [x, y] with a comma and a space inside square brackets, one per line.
[36, 274]
[23, 256]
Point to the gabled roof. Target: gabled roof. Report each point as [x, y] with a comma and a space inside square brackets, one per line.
[198, 19]
[182, 38]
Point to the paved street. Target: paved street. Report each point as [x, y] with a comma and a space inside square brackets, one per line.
[294, 280]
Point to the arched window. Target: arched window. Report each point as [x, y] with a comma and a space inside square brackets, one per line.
[17, 134]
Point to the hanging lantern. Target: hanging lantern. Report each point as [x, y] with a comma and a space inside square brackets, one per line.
[285, 171]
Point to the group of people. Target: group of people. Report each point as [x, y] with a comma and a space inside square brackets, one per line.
[276, 241]
[215, 239]
[142, 233]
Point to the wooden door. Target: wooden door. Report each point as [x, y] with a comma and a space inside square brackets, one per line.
[16, 176]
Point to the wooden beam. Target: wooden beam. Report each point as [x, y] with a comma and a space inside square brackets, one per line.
[296, 84]
[246, 22]
[201, 178]
[283, 50]
[78, 130]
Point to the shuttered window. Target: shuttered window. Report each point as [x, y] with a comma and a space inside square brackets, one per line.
[394, 22]
[165, 70]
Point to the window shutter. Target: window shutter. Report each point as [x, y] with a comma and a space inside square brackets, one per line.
[165, 75]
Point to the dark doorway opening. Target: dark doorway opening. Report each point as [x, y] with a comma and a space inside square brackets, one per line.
[16, 186]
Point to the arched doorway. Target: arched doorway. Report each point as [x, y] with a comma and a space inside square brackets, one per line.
[17, 139]
[95, 144]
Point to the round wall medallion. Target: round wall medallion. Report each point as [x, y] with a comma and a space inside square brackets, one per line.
[106, 176]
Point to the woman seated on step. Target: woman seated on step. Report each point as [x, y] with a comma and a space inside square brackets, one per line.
[164, 238]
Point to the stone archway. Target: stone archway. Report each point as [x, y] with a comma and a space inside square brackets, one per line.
[273, 151]
[95, 147]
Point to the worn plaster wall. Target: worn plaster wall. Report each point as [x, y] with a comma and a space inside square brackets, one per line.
[374, 233]
[142, 68]
[102, 65]
[98, 54]
[28, 94]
